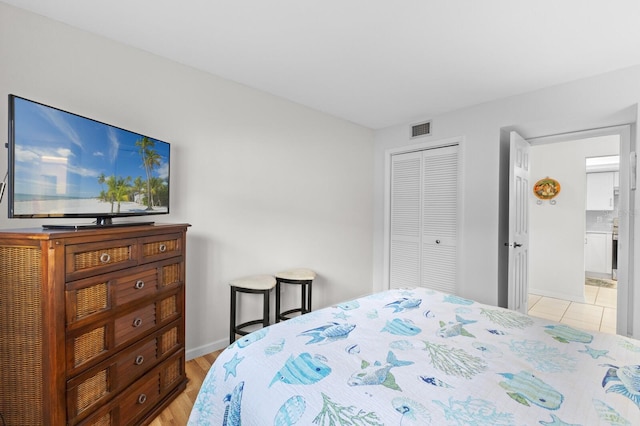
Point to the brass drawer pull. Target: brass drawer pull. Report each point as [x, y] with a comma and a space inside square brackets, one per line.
[139, 360]
[142, 398]
[139, 285]
[105, 258]
[137, 322]
[162, 248]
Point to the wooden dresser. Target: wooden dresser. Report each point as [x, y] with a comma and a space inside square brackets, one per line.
[91, 324]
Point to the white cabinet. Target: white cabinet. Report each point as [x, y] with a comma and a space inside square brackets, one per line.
[600, 191]
[597, 252]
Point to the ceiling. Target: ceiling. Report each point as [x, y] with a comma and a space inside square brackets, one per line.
[376, 63]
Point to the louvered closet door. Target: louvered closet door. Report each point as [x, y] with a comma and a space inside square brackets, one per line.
[406, 192]
[423, 239]
[439, 213]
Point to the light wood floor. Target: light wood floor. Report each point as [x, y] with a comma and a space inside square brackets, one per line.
[178, 412]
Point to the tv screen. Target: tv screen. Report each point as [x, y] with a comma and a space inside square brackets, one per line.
[65, 165]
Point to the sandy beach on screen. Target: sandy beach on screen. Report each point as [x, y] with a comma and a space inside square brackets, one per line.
[76, 206]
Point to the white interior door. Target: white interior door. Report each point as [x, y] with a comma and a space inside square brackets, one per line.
[519, 169]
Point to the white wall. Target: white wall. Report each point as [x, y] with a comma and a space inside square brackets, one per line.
[557, 232]
[267, 184]
[604, 100]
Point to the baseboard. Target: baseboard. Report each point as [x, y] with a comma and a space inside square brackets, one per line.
[206, 349]
[558, 295]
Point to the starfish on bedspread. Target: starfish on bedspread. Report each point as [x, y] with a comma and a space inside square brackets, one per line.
[595, 353]
[231, 365]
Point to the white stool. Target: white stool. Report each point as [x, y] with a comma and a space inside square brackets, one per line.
[299, 276]
[260, 284]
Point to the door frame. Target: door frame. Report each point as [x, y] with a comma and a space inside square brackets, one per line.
[388, 154]
[625, 304]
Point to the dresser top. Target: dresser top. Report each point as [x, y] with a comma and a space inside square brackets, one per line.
[129, 230]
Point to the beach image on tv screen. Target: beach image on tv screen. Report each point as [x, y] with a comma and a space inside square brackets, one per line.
[65, 164]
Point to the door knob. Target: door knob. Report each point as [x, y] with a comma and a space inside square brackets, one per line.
[516, 245]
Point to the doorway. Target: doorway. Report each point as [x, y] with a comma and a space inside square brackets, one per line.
[559, 237]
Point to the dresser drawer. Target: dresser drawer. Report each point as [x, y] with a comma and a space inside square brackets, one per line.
[92, 343]
[92, 388]
[83, 260]
[90, 297]
[135, 361]
[142, 397]
[133, 287]
[160, 247]
[134, 324]
[127, 407]
[135, 405]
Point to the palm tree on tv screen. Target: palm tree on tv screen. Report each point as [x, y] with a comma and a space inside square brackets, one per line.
[150, 159]
[118, 190]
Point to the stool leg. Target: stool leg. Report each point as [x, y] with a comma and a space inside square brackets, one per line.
[265, 309]
[232, 319]
[309, 298]
[303, 299]
[277, 300]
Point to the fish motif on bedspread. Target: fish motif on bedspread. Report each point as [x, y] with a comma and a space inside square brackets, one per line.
[378, 373]
[565, 334]
[328, 332]
[524, 387]
[401, 327]
[453, 329]
[422, 357]
[302, 370]
[404, 304]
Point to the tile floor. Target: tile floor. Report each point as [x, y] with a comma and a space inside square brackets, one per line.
[599, 313]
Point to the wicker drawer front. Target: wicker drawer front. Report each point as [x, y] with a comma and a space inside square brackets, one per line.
[84, 260]
[170, 340]
[89, 391]
[87, 346]
[135, 287]
[172, 372]
[134, 324]
[172, 274]
[86, 301]
[161, 247]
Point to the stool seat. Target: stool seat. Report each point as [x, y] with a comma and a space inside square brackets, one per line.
[257, 284]
[297, 276]
[254, 282]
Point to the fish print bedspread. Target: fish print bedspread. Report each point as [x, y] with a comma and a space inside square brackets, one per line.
[420, 357]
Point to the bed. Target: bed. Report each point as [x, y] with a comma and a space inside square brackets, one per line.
[420, 357]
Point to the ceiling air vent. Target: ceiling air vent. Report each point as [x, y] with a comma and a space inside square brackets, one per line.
[422, 129]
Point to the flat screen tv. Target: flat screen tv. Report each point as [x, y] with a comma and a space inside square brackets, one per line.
[63, 165]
